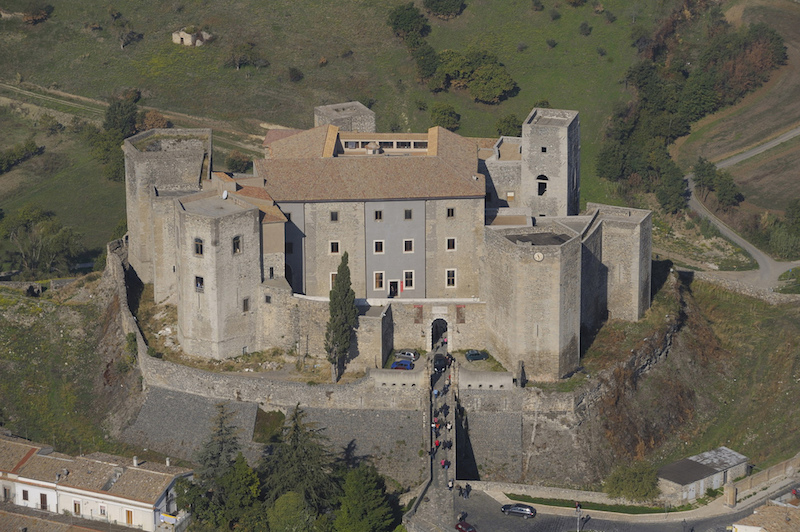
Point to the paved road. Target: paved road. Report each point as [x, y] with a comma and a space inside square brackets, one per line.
[766, 277]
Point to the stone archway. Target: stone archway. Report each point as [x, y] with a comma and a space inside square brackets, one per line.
[438, 331]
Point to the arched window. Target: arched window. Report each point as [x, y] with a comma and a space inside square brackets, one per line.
[541, 181]
[198, 246]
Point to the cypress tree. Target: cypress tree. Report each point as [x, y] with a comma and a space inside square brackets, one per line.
[343, 318]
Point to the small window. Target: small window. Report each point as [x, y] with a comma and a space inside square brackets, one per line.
[451, 244]
[542, 188]
[102, 510]
[267, 299]
[365, 143]
[408, 214]
[24, 495]
[378, 280]
[386, 144]
[271, 272]
[510, 196]
[451, 278]
[421, 145]
[408, 279]
[198, 246]
[451, 212]
[237, 245]
[403, 145]
[378, 216]
[76, 507]
[408, 246]
[378, 246]
[289, 248]
[246, 304]
[333, 279]
[199, 285]
[351, 144]
[334, 248]
[544, 149]
[334, 216]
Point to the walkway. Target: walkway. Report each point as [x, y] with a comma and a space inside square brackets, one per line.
[766, 277]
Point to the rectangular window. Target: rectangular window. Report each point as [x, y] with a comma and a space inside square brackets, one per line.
[451, 278]
[544, 149]
[199, 285]
[451, 212]
[408, 279]
[334, 248]
[510, 196]
[268, 299]
[102, 510]
[237, 245]
[403, 145]
[24, 495]
[351, 144]
[364, 143]
[289, 248]
[378, 216]
[334, 216]
[421, 145]
[408, 214]
[408, 246]
[246, 304]
[386, 144]
[43, 501]
[76, 507]
[333, 279]
[198, 246]
[451, 244]
[128, 517]
[378, 246]
[378, 280]
[271, 272]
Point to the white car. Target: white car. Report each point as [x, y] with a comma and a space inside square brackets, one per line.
[407, 355]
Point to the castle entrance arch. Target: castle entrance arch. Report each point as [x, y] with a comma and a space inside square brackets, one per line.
[438, 331]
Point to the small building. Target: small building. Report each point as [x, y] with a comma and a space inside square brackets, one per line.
[190, 36]
[770, 518]
[686, 480]
[349, 116]
[99, 486]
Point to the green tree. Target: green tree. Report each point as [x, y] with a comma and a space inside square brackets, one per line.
[240, 488]
[427, 60]
[291, 513]
[121, 116]
[635, 482]
[218, 453]
[365, 507]
[793, 216]
[491, 82]
[611, 161]
[705, 175]
[444, 8]
[444, 115]
[300, 462]
[42, 244]
[407, 19]
[343, 318]
[728, 193]
[237, 161]
[509, 125]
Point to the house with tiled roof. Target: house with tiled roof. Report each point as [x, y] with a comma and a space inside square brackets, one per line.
[447, 236]
[688, 479]
[99, 486]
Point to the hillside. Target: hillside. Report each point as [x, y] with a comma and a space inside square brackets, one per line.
[77, 51]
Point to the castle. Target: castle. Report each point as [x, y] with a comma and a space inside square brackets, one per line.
[480, 241]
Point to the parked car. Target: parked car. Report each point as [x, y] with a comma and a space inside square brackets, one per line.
[473, 355]
[402, 364]
[411, 355]
[519, 509]
[463, 526]
[439, 363]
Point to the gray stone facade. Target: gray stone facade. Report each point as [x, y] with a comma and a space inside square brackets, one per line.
[350, 116]
[491, 251]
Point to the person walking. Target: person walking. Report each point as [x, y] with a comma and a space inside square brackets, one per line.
[450, 485]
[467, 489]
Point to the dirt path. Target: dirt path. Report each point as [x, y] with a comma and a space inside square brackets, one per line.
[766, 277]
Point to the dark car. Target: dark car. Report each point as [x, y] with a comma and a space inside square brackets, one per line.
[402, 364]
[463, 526]
[411, 355]
[439, 363]
[519, 509]
[473, 355]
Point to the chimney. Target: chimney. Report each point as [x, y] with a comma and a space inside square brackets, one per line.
[135, 461]
[167, 461]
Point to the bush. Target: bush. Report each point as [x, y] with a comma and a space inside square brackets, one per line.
[510, 126]
[554, 14]
[421, 105]
[585, 29]
[444, 115]
[237, 162]
[576, 3]
[636, 482]
[490, 83]
[601, 51]
[407, 19]
[444, 8]
[537, 5]
[551, 43]
[295, 74]
[521, 47]
[610, 17]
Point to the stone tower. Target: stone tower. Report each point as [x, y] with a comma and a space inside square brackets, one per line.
[550, 151]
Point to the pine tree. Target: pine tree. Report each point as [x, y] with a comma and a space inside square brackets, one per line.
[365, 507]
[218, 453]
[301, 463]
[240, 488]
[343, 318]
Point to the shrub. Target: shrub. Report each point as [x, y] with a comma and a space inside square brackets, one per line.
[636, 482]
[237, 162]
[295, 74]
[407, 19]
[130, 343]
[601, 51]
[537, 5]
[610, 17]
[490, 83]
[510, 125]
[444, 115]
[420, 104]
[554, 14]
[576, 3]
[551, 43]
[427, 61]
[444, 8]
[521, 47]
[585, 29]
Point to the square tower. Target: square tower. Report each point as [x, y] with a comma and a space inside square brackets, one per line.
[550, 180]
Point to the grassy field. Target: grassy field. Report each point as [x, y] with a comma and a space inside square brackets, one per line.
[64, 53]
[763, 114]
[65, 179]
[769, 180]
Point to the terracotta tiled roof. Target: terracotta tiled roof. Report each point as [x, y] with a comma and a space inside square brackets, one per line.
[773, 519]
[14, 521]
[223, 176]
[45, 468]
[142, 485]
[260, 198]
[13, 454]
[278, 134]
[254, 192]
[296, 171]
